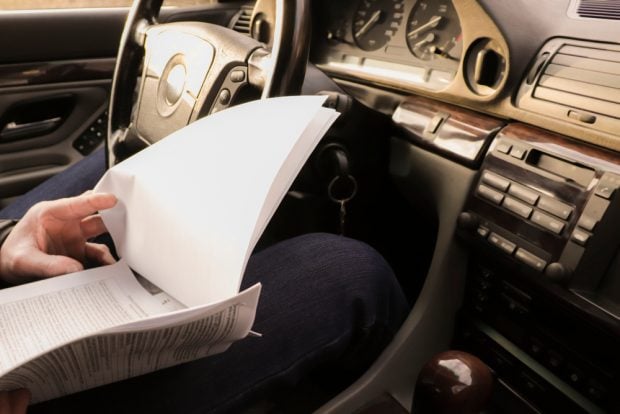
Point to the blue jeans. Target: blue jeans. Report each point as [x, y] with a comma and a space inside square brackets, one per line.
[329, 305]
[76, 179]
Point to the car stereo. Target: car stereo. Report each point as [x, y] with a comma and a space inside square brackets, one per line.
[542, 306]
[551, 208]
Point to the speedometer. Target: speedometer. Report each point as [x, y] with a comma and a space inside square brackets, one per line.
[433, 30]
[375, 22]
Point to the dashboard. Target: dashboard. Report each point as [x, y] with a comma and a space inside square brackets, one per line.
[419, 43]
[493, 57]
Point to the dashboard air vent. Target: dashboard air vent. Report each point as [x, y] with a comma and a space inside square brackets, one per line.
[242, 20]
[576, 82]
[599, 9]
[584, 78]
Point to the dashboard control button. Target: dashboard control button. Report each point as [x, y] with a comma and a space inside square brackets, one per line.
[433, 124]
[224, 97]
[523, 193]
[581, 237]
[504, 244]
[495, 180]
[490, 194]
[555, 207]
[607, 185]
[575, 374]
[483, 231]
[467, 221]
[604, 191]
[503, 147]
[530, 259]
[557, 273]
[548, 222]
[518, 152]
[237, 76]
[517, 207]
[554, 359]
[586, 222]
[582, 117]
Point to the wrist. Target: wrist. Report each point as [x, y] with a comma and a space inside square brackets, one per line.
[6, 226]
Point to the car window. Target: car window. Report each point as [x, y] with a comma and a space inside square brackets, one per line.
[71, 4]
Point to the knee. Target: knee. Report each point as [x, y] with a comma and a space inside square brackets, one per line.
[349, 261]
[323, 274]
[352, 273]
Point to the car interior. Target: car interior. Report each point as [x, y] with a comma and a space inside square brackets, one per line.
[477, 150]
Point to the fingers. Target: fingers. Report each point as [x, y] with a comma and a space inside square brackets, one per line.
[35, 263]
[29, 263]
[19, 401]
[14, 402]
[99, 253]
[81, 206]
[92, 227]
[5, 402]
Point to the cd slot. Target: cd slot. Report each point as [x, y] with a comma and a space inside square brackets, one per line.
[569, 170]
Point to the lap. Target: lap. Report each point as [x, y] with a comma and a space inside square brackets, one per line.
[326, 301]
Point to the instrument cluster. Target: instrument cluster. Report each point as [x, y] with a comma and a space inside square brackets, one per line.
[418, 41]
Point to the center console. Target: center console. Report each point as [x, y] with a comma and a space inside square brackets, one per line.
[542, 307]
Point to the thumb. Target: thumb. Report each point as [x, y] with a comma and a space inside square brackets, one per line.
[40, 264]
[19, 401]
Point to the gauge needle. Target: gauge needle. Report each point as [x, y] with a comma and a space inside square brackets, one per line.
[369, 24]
[433, 22]
[429, 38]
[443, 51]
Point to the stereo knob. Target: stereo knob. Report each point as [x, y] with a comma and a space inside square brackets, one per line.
[467, 221]
[557, 272]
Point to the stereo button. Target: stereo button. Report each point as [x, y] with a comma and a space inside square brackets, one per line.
[607, 185]
[581, 237]
[604, 191]
[518, 152]
[548, 222]
[503, 147]
[523, 193]
[587, 222]
[555, 207]
[531, 260]
[482, 231]
[498, 241]
[495, 180]
[490, 194]
[517, 207]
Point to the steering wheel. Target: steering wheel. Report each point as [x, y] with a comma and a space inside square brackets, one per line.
[193, 69]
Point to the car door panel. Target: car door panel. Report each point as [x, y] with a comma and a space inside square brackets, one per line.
[25, 161]
[56, 68]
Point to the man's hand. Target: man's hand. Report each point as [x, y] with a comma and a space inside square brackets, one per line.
[51, 238]
[14, 402]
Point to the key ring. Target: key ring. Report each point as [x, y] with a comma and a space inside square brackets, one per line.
[338, 180]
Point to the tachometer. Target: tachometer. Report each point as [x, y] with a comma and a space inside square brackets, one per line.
[433, 30]
[375, 22]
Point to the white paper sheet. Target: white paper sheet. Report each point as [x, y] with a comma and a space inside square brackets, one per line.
[168, 225]
[37, 317]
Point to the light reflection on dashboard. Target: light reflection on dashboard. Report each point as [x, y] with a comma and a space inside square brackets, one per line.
[373, 69]
[402, 42]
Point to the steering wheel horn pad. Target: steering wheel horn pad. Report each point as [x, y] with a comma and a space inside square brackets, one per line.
[189, 69]
[176, 65]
